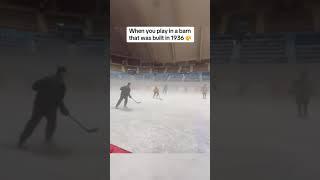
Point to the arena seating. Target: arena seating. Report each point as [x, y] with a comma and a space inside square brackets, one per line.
[161, 76]
[45, 41]
[307, 47]
[92, 42]
[158, 73]
[172, 69]
[221, 51]
[185, 69]
[144, 69]
[267, 48]
[116, 67]
[53, 20]
[205, 76]
[175, 77]
[194, 76]
[138, 76]
[23, 19]
[13, 38]
[148, 76]
[263, 48]
[187, 77]
[200, 67]
[160, 69]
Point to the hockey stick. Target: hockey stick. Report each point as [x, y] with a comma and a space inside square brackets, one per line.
[93, 130]
[135, 101]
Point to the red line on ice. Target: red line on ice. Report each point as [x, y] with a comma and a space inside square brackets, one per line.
[116, 149]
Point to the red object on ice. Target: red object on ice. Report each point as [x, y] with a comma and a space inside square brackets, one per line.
[116, 149]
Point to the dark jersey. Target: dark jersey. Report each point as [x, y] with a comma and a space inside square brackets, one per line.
[302, 90]
[125, 91]
[50, 92]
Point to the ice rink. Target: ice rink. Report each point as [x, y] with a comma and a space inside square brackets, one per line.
[258, 134]
[160, 166]
[76, 155]
[264, 139]
[179, 123]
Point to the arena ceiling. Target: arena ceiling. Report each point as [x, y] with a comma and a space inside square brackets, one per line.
[125, 13]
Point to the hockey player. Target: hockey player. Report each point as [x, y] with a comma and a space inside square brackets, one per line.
[302, 90]
[165, 89]
[49, 98]
[156, 92]
[204, 91]
[125, 93]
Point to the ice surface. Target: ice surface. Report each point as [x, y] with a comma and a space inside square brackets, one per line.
[180, 123]
[160, 166]
[83, 156]
[262, 138]
[84, 159]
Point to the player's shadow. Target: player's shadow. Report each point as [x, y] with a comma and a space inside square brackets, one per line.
[125, 109]
[50, 152]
